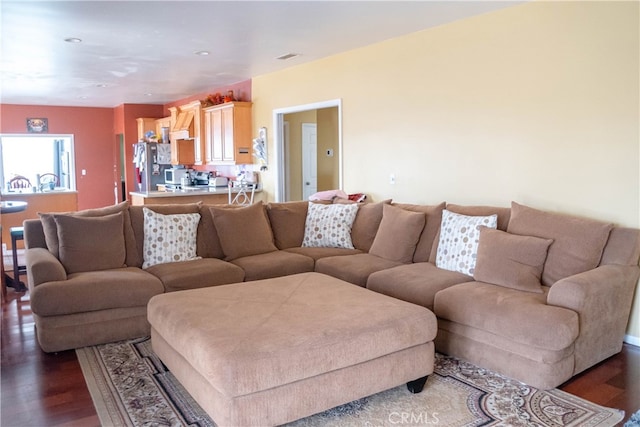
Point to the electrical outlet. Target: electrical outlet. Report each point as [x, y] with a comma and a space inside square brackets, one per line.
[392, 178]
[330, 152]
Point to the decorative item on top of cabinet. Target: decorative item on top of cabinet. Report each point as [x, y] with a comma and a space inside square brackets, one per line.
[145, 125]
[227, 134]
[163, 123]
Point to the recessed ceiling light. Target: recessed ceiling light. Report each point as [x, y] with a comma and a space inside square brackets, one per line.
[202, 52]
[73, 40]
[287, 56]
[83, 97]
[148, 94]
[101, 85]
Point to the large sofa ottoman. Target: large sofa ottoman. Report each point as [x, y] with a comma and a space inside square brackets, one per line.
[272, 351]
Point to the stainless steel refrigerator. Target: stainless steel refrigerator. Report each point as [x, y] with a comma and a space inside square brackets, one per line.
[150, 159]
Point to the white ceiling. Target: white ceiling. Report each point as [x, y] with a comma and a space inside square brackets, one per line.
[143, 51]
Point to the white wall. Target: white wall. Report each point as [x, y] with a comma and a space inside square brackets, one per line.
[537, 103]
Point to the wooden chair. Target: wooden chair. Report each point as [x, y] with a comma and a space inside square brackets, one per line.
[19, 182]
[47, 179]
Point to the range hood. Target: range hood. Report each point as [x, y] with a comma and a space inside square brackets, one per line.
[183, 129]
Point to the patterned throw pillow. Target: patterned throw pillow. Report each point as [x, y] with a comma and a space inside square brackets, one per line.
[329, 226]
[459, 236]
[169, 238]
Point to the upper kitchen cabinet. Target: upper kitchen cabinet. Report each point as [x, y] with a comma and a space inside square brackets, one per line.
[227, 134]
[145, 125]
[186, 134]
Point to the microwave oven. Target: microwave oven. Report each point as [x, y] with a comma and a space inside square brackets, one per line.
[174, 175]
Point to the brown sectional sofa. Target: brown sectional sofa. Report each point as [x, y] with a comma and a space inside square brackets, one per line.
[573, 317]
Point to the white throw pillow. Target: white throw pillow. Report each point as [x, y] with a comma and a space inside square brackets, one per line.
[329, 226]
[458, 244]
[169, 238]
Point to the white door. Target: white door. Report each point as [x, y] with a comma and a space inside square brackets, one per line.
[309, 160]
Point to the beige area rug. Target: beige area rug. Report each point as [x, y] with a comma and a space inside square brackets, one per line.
[131, 387]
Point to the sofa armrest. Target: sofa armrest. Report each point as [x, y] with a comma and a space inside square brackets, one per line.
[602, 298]
[43, 266]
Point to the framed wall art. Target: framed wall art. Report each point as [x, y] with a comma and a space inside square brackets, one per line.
[37, 125]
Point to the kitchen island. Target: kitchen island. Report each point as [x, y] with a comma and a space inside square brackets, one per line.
[207, 195]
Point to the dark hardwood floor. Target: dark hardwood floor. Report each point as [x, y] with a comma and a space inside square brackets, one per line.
[40, 389]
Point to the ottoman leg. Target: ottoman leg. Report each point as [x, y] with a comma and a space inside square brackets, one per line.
[416, 386]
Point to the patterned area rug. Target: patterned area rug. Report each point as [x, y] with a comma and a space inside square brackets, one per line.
[131, 387]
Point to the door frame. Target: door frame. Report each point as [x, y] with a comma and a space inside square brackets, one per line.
[278, 135]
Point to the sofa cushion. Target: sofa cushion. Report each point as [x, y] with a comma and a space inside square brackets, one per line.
[523, 317]
[398, 234]
[417, 283]
[243, 232]
[428, 238]
[90, 243]
[366, 224]
[329, 226]
[458, 242]
[273, 264]
[137, 220]
[51, 233]
[511, 260]
[116, 288]
[287, 223]
[317, 253]
[169, 238]
[577, 242]
[197, 273]
[353, 268]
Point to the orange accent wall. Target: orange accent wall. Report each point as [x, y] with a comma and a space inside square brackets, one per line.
[93, 144]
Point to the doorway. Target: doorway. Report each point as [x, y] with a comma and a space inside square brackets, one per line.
[329, 157]
[309, 160]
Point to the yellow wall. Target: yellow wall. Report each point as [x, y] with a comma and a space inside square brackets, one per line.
[536, 103]
[295, 121]
[328, 175]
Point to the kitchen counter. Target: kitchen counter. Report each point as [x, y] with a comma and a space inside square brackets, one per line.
[41, 201]
[209, 195]
[27, 193]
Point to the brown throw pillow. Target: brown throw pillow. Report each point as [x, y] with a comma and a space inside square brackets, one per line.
[287, 222]
[243, 232]
[577, 242]
[51, 231]
[90, 243]
[398, 234]
[510, 260]
[428, 243]
[365, 226]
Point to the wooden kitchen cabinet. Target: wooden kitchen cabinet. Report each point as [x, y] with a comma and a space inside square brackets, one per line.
[228, 134]
[183, 152]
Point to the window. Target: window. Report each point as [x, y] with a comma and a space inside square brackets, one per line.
[34, 156]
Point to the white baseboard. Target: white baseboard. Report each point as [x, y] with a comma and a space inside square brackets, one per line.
[630, 339]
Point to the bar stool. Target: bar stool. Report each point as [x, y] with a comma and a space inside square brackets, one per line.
[17, 233]
[244, 192]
